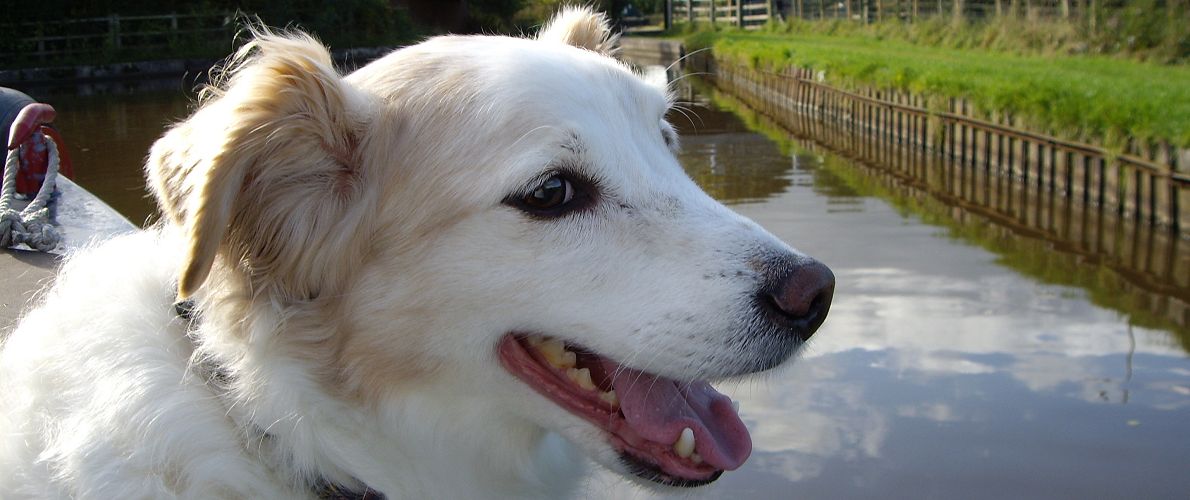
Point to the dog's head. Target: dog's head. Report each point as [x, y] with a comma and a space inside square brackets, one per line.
[503, 217]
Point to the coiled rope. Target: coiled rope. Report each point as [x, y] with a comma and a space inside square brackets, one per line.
[30, 226]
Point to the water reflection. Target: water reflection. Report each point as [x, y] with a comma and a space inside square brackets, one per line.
[109, 127]
[963, 358]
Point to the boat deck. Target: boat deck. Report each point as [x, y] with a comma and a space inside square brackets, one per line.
[25, 272]
[82, 218]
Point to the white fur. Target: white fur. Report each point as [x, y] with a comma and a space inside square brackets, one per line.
[354, 265]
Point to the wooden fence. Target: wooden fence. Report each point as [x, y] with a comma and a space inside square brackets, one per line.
[978, 155]
[757, 12]
[1140, 269]
[748, 14]
[1074, 201]
[52, 41]
[910, 10]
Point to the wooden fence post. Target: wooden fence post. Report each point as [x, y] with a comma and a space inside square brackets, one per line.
[113, 28]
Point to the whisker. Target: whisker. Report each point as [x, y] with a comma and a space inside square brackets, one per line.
[687, 75]
[685, 114]
[683, 58]
[695, 113]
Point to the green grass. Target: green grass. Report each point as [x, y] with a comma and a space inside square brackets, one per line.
[1145, 34]
[1091, 98]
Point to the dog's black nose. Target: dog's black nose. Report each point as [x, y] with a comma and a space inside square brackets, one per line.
[800, 297]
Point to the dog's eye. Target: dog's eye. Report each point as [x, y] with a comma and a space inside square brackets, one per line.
[550, 196]
[560, 194]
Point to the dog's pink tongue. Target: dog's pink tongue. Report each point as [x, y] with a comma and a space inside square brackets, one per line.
[659, 408]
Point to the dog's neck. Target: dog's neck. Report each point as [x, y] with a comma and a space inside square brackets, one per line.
[220, 380]
[414, 446]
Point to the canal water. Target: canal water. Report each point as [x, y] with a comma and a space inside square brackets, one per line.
[962, 358]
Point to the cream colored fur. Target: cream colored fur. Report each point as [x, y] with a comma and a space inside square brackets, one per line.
[353, 262]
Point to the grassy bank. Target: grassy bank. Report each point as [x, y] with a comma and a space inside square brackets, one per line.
[1090, 98]
[1141, 31]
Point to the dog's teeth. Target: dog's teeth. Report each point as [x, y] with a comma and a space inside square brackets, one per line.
[735, 405]
[551, 346]
[696, 458]
[684, 446]
[584, 379]
[581, 377]
[552, 350]
[610, 398]
[569, 360]
[534, 340]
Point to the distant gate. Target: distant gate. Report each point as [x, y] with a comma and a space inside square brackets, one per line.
[747, 14]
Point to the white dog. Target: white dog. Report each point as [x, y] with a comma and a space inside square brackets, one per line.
[458, 272]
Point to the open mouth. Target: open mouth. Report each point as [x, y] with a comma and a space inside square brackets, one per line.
[679, 433]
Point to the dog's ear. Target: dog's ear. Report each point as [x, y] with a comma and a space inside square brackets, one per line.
[583, 28]
[267, 170]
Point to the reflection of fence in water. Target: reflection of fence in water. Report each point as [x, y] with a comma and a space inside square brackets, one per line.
[1122, 212]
